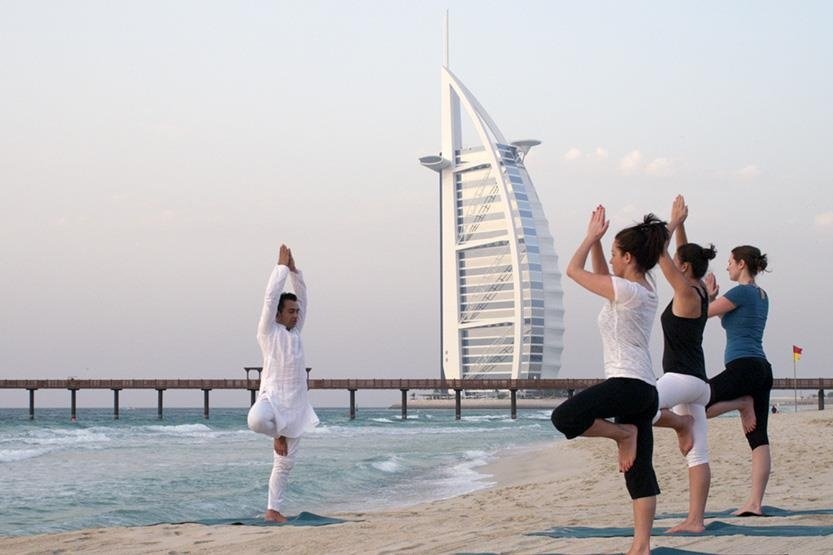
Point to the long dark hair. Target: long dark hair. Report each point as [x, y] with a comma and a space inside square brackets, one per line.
[755, 261]
[645, 241]
[697, 257]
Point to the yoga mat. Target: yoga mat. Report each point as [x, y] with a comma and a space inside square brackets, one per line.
[768, 511]
[303, 519]
[716, 528]
[677, 551]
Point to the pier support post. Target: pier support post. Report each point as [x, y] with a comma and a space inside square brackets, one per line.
[116, 403]
[457, 404]
[514, 403]
[821, 399]
[205, 403]
[352, 404]
[159, 403]
[72, 415]
[570, 393]
[31, 404]
[253, 395]
[404, 404]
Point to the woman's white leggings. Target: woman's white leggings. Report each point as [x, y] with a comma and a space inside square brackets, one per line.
[685, 394]
[262, 421]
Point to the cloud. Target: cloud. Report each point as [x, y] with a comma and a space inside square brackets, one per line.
[824, 221]
[660, 167]
[572, 154]
[601, 153]
[631, 163]
[749, 172]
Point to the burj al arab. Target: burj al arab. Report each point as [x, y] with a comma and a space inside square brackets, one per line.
[501, 299]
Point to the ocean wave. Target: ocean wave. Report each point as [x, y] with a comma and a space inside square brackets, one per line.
[390, 465]
[545, 414]
[462, 477]
[485, 417]
[57, 436]
[180, 429]
[14, 455]
[400, 430]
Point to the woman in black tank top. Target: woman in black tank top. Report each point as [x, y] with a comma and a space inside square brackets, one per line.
[684, 389]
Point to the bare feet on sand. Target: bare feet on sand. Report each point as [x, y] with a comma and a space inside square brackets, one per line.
[274, 516]
[747, 414]
[685, 434]
[749, 509]
[639, 550]
[687, 526]
[627, 447]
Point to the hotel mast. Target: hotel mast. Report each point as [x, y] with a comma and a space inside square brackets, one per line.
[502, 312]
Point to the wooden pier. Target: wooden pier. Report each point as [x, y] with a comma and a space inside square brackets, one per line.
[568, 385]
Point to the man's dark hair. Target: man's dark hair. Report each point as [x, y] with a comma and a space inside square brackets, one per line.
[286, 297]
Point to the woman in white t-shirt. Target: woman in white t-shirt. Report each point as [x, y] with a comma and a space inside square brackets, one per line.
[629, 393]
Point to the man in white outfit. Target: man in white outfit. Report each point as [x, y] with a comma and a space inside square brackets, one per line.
[282, 410]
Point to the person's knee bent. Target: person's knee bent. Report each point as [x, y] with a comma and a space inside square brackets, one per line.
[567, 422]
[259, 420]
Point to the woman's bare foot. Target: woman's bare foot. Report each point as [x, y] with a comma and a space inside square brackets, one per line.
[639, 549]
[627, 447]
[685, 434]
[747, 414]
[749, 509]
[687, 526]
[274, 516]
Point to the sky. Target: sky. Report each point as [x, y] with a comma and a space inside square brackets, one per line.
[154, 155]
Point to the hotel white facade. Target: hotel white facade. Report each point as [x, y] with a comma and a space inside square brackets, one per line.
[502, 311]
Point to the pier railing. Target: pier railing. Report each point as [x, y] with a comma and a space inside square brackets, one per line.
[569, 385]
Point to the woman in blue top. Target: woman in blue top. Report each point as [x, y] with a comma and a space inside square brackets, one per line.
[747, 380]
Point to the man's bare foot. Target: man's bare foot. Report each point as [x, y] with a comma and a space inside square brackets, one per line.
[274, 516]
[747, 414]
[280, 446]
[687, 526]
[685, 434]
[627, 447]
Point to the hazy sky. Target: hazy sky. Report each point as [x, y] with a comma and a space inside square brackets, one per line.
[154, 155]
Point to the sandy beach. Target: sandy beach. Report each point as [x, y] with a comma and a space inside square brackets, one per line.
[561, 484]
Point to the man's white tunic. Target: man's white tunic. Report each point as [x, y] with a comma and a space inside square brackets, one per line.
[284, 378]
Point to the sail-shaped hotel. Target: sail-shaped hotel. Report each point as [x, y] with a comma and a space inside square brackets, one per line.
[502, 312]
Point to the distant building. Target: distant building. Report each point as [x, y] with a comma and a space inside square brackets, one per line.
[502, 311]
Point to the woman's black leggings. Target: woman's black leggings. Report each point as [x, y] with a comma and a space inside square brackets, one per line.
[746, 376]
[628, 401]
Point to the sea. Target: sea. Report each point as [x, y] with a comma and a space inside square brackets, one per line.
[57, 475]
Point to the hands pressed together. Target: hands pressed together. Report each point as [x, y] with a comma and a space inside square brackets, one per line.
[712, 288]
[598, 224]
[285, 258]
[679, 213]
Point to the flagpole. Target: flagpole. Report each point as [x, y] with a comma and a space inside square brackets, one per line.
[795, 385]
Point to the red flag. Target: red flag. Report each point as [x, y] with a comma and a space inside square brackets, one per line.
[797, 352]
